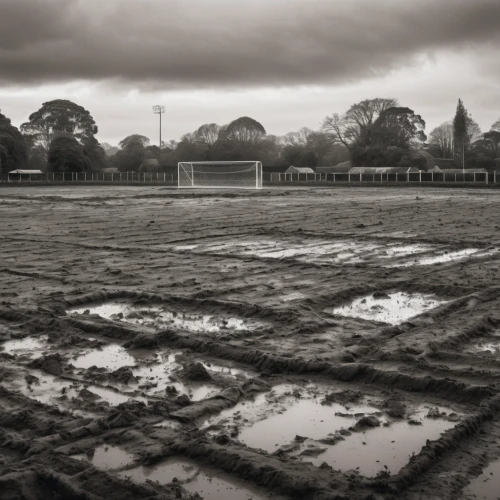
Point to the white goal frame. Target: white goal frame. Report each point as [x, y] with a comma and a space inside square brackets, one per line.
[202, 174]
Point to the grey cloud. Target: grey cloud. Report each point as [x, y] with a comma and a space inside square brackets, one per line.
[231, 43]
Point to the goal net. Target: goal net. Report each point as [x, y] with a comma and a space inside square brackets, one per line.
[220, 174]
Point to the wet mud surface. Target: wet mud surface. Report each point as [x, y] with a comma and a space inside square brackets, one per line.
[307, 343]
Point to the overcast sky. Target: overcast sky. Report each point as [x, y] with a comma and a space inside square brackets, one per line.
[286, 63]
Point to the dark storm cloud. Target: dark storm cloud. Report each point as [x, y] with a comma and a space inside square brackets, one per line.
[232, 43]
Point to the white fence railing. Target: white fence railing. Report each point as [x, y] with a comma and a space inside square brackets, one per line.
[414, 177]
[89, 177]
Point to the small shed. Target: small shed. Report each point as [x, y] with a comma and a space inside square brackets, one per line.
[299, 170]
[442, 164]
[340, 168]
[383, 170]
[460, 171]
[21, 171]
[26, 174]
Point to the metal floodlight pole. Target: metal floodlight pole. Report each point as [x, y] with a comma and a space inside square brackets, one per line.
[159, 110]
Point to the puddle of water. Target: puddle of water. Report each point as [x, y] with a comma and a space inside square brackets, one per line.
[486, 486]
[210, 485]
[185, 247]
[306, 418]
[160, 317]
[112, 357]
[342, 251]
[29, 346]
[274, 420]
[153, 378]
[391, 446]
[457, 256]
[49, 389]
[225, 370]
[404, 250]
[156, 377]
[485, 347]
[108, 457]
[397, 308]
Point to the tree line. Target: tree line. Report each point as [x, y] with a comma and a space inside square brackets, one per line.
[61, 137]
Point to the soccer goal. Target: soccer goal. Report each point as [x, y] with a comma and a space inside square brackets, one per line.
[220, 174]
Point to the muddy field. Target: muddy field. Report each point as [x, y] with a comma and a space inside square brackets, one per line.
[298, 343]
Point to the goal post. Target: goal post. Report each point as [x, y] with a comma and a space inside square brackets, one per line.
[220, 174]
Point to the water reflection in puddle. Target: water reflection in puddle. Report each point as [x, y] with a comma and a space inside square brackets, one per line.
[210, 485]
[486, 486]
[29, 346]
[112, 357]
[153, 378]
[108, 457]
[304, 418]
[382, 447]
[161, 317]
[322, 251]
[51, 390]
[280, 422]
[444, 257]
[393, 308]
[491, 347]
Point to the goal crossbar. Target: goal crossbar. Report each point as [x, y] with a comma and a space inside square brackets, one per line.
[220, 174]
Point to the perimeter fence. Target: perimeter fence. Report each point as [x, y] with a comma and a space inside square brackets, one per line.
[274, 179]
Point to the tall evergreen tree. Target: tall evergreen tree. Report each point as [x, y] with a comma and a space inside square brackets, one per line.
[460, 130]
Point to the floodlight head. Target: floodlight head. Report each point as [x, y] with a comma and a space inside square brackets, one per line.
[158, 110]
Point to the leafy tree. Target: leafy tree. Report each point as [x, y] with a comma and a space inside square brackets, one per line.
[66, 154]
[377, 132]
[397, 127]
[59, 116]
[488, 147]
[109, 149]
[131, 156]
[133, 140]
[441, 140]
[13, 148]
[96, 154]
[496, 125]
[37, 159]
[242, 137]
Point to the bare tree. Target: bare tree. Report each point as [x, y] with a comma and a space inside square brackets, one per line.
[496, 126]
[441, 140]
[298, 138]
[208, 134]
[355, 124]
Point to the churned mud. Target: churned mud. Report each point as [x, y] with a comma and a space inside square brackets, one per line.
[302, 343]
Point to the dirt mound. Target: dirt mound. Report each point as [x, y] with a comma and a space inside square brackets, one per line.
[194, 372]
[50, 363]
[123, 375]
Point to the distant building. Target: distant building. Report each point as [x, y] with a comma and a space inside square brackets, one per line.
[299, 170]
[460, 171]
[26, 172]
[340, 168]
[441, 164]
[383, 170]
